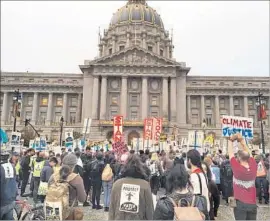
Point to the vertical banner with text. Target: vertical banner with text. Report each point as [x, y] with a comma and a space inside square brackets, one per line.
[148, 131]
[117, 128]
[157, 129]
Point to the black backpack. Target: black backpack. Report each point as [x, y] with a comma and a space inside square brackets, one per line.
[228, 173]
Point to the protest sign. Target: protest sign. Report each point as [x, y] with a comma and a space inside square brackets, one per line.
[195, 138]
[119, 148]
[232, 125]
[15, 142]
[148, 127]
[117, 129]
[69, 138]
[157, 129]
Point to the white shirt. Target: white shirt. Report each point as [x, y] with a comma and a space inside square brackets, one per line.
[196, 187]
[79, 162]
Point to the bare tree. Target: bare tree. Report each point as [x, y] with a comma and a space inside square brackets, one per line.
[27, 135]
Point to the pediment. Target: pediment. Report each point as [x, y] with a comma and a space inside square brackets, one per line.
[135, 56]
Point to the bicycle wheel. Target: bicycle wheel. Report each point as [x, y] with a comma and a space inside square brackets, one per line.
[35, 214]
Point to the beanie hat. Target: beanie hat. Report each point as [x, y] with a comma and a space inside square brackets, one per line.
[70, 160]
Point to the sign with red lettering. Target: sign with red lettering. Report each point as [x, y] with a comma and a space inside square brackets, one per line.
[232, 125]
[157, 129]
[117, 128]
[148, 128]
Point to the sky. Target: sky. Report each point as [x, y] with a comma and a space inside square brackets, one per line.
[214, 38]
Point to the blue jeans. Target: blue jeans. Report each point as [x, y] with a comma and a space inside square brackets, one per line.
[107, 188]
[7, 212]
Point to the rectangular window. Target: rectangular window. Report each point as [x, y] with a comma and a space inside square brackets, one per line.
[154, 112]
[72, 117]
[1, 102]
[121, 47]
[235, 84]
[42, 117]
[110, 51]
[193, 103]
[222, 103]
[114, 100]
[209, 119]
[134, 99]
[208, 103]
[161, 52]
[29, 100]
[154, 101]
[44, 101]
[250, 105]
[113, 113]
[236, 103]
[46, 80]
[195, 119]
[59, 101]
[57, 117]
[150, 48]
[73, 101]
[134, 115]
[31, 80]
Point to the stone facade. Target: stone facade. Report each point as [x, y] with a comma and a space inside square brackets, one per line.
[135, 76]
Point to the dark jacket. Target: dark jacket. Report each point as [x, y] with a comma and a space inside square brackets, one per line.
[8, 185]
[25, 163]
[78, 170]
[165, 209]
[96, 169]
[145, 200]
[46, 172]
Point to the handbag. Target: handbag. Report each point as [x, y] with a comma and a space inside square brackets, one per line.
[43, 188]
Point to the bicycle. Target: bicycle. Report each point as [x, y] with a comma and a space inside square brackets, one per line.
[24, 211]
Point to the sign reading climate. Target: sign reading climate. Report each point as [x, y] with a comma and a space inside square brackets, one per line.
[232, 125]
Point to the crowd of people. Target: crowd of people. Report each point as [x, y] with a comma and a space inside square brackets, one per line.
[137, 186]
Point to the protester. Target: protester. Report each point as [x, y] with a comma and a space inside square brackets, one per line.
[244, 175]
[131, 189]
[178, 183]
[78, 169]
[198, 178]
[226, 179]
[156, 172]
[214, 195]
[8, 187]
[96, 169]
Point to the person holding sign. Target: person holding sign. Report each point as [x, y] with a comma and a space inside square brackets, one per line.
[244, 175]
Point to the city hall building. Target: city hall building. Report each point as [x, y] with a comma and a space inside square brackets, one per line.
[136, 76]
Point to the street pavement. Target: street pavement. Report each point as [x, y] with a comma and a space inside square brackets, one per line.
[224, 212]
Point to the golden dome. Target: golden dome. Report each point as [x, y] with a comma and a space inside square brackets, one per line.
[136, 11]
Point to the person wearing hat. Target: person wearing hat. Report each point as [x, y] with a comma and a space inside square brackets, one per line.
[77, 192]
[8, 187]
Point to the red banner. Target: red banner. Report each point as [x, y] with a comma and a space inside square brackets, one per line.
[117, 128]
[261, 112]
[157, 129]
[148, 129]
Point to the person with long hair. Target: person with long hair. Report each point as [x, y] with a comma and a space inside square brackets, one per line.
[197, 177]
[155, 173]
[178, 188]
[214, 192]
[131, 197]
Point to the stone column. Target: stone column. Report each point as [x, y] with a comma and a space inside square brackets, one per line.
[104, 49]
[202, 109]
[113, 44]
[188, 110]
[64, 110]
[4, 116]
[103, 98]
[95, 98]
[181, 99]
[217, 111]
[144, 41]
[173, 99]
[144, 100]
[231, 106]
[79, 108]
[87, 96]
[35, 108]
[22, 108]
[245, 106]
[165, 97]
[124, 93]
[50, 109]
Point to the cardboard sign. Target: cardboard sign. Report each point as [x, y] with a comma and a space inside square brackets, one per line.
[15, 139]
[117, 128]
[157, 129]
[69, 138]
[232, 125]
[195, 138]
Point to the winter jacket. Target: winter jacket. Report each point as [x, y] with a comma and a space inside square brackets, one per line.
[96, 174]
[165, 209]
[25, 163]
[136, 206]
[46, 172]
[8, 184]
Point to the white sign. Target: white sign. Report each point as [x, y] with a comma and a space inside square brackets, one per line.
[232, 125]
[195, 138]
[87, 125]
[130, 198]
[15, 139]
[69, 138]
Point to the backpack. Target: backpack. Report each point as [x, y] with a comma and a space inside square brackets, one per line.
[186, 213]
[228, 171]
[107, 173]
[95, 167]
[154, 169]
[56, 205]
